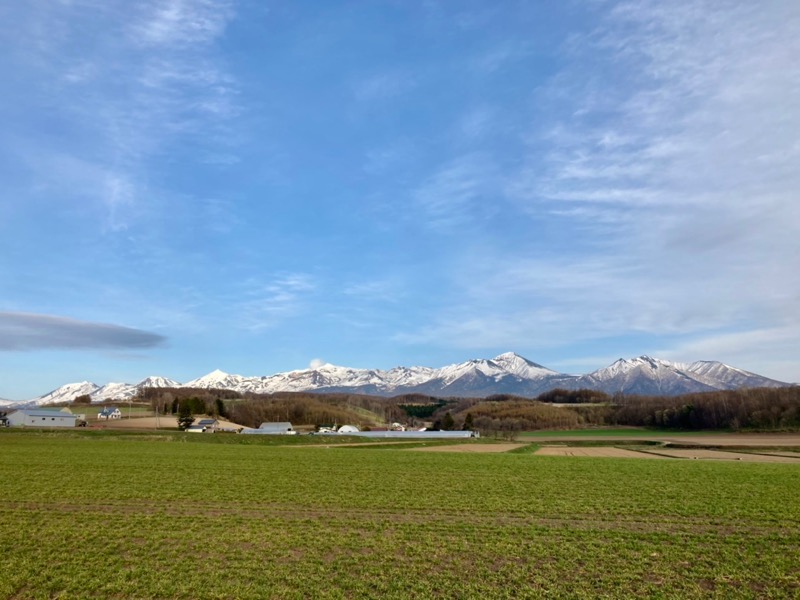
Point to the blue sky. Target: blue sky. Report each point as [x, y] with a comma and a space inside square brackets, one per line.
[252, 186]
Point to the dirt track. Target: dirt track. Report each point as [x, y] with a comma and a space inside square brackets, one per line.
[604, 452]
[699, 453]
[765, 440]
[469, 448]
[668, 453]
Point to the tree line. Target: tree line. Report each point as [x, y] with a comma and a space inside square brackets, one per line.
[761, 408]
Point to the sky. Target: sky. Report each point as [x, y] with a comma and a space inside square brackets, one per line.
[256, 186]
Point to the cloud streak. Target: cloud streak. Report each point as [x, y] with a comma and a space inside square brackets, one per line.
[27, 331]
[669, 166]
[150, 82]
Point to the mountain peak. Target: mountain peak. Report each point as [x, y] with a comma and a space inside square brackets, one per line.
[509, 356]
[507, 373]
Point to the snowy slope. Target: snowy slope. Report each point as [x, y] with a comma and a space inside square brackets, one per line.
[157, 382]
[114, 391]
[647, 376]
[730, 377]
[66, 393]
[507, 373]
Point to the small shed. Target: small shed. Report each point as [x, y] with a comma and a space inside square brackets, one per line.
[40, 417]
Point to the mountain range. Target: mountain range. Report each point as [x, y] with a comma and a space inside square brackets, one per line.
[507, 373]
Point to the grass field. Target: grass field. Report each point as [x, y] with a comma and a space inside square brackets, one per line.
[164, 516]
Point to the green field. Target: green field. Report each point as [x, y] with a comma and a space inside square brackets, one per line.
[152, 516]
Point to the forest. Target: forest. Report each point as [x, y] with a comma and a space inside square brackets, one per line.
[747, 409]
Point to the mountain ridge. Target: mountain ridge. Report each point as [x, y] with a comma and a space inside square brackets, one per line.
[507, 373]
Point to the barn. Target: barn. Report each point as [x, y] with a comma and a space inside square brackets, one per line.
[40, 417]
[284, 428]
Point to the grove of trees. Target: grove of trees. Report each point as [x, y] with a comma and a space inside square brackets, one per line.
[755, 409]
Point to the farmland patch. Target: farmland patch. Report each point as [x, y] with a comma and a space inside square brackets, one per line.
[705, 454]
[470, 448]
[93, 516]
[596, 452]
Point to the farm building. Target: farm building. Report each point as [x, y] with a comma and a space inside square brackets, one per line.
[203, 426]
[40, 417]
[406, 435]
[284, 428]
[109, 412]
[211, 425]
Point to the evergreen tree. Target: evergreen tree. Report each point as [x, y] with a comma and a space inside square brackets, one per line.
[185, 418]
[448, 422]
[468, 422]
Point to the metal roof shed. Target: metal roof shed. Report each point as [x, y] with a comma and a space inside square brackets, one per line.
[284, 428]
[39, 417]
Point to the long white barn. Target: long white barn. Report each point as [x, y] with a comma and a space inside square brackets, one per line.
[40, 417]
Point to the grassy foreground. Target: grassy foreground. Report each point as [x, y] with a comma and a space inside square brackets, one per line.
[154, 517]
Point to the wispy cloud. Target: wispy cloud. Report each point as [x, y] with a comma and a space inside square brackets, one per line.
[182, 22]
[383, 86]
[672, 172]
[457, 192]
[146, 80]
[501, 55]
[266, 304]
[25, 331]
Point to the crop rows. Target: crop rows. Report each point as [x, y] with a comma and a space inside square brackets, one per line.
[104, 517]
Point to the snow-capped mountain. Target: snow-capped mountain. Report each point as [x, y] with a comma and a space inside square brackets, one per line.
[730, 376]
[110, 391]
[66, 393]
[217, 379]
[157, 382]
[653, 376]
[114, 391]
[508, 373]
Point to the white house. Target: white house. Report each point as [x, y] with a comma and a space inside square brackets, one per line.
[210, 425]
[109, 412]
[40, 417]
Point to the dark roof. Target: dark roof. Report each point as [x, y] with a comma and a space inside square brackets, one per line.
[43, 412]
